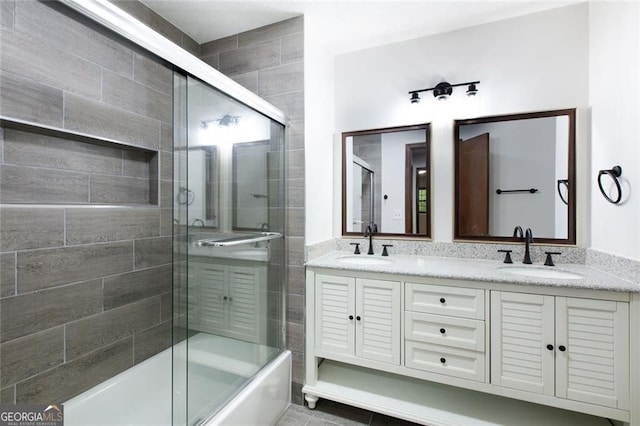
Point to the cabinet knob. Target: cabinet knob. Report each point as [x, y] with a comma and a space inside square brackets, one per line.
[443, 360]
[562, 348]
[350, 317]
[358, 318]
[224, 297]
[550, 347]
[443, 300]
[442, 331]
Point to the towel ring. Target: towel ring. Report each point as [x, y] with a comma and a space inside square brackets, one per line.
[564, 182]
[615, 173]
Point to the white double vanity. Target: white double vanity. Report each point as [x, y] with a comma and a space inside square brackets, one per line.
[444, 341]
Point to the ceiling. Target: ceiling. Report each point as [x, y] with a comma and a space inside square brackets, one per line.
[346, 25]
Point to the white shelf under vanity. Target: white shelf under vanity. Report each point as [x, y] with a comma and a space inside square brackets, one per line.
[464, 342]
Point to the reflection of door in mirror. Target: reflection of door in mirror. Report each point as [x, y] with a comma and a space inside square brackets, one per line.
[507, 173]
[250, 186]
[473, 195]
[381, 184]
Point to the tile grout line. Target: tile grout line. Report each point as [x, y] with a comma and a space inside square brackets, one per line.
[15, 273]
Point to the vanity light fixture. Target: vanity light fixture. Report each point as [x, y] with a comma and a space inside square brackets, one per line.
[443, 90]
[224, 121]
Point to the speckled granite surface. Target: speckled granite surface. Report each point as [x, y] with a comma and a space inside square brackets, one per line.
[474, 269]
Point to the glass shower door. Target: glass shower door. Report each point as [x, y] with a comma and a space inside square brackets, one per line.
[228, 197]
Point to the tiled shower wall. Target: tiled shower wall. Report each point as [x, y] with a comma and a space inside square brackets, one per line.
[269, 61]
[85, 289]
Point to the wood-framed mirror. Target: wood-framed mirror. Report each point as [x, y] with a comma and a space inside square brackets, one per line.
[386, 181]
[516, 170]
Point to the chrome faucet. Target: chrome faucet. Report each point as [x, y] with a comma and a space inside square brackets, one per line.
[368, 232]
[528, 239]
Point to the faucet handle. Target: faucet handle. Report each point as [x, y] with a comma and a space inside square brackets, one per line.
[384, 249]
[507, 257]
[357, 250]
[549, 259]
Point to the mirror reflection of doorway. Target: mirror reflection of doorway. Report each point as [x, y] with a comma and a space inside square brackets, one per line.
[417, 197]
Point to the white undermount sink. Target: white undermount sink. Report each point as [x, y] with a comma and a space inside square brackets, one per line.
[536, 272]
[363, 260]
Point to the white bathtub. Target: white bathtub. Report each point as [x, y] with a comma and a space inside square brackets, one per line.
[141, 395]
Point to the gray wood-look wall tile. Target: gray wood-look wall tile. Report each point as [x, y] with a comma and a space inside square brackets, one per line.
[271, 32]
[150, 18]
[282, 79]
[8, 395]
[7, 8]
[94, 118]
[213, 61]
[151, 341]
[127, 288]
[33, 59]
[20, 361]
[251, 58]
[295, 255]
[166, 137]
[291, 103]
[295, 193]
[7, 274]
[295, 222]
[295, 279]
[71, 379]
[166, 222]
[248, 80]
[93, 225]
[218, 46]
[295, 134]
[293, 48]
[34, 185]
[30, 313]
[190, 45]
[136, 164]
[295, 164]
[153, 252]
[166, 306]
[35, 150]
[105, 189]
[153, 74]
[27, 228]
[30, 101]
[43, 22]
[91, 333]
[166, 194]
[123, 93]
[166, 165]
[45, 268]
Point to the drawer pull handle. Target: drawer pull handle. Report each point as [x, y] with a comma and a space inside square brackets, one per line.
[442, 331]
[443, 300]
[550, 347]
[443, 360]
[358, 317]
[562, 348]
[350, 317]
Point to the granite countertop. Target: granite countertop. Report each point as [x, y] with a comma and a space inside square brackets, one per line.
[475, 270]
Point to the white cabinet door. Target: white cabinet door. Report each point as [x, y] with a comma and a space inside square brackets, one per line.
[378, 320]
[522, 327]
[243, 301]
[335, 315]
[592, 357]
[211, 290]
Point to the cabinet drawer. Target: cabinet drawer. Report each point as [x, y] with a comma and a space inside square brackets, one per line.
[443, 300]
[445, 330]
[445, 360]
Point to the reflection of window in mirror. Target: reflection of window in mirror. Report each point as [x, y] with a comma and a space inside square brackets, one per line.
[508, 173]
[386, 181]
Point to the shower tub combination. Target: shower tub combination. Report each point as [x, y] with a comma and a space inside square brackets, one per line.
[228, 364]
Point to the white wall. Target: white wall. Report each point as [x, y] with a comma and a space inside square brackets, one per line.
[534, 62]
[615, 118]
[320, 195]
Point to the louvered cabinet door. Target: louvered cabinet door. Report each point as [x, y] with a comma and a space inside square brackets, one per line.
[212, 288]
[592, 358]
[522, 325]
[378, 320]
[243, 300]
[335, 315]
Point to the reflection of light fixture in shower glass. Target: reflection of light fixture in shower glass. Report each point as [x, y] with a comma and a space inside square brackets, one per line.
[422, 172]
[224, 121]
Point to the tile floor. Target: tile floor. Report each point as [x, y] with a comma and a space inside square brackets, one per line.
[329, 413]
